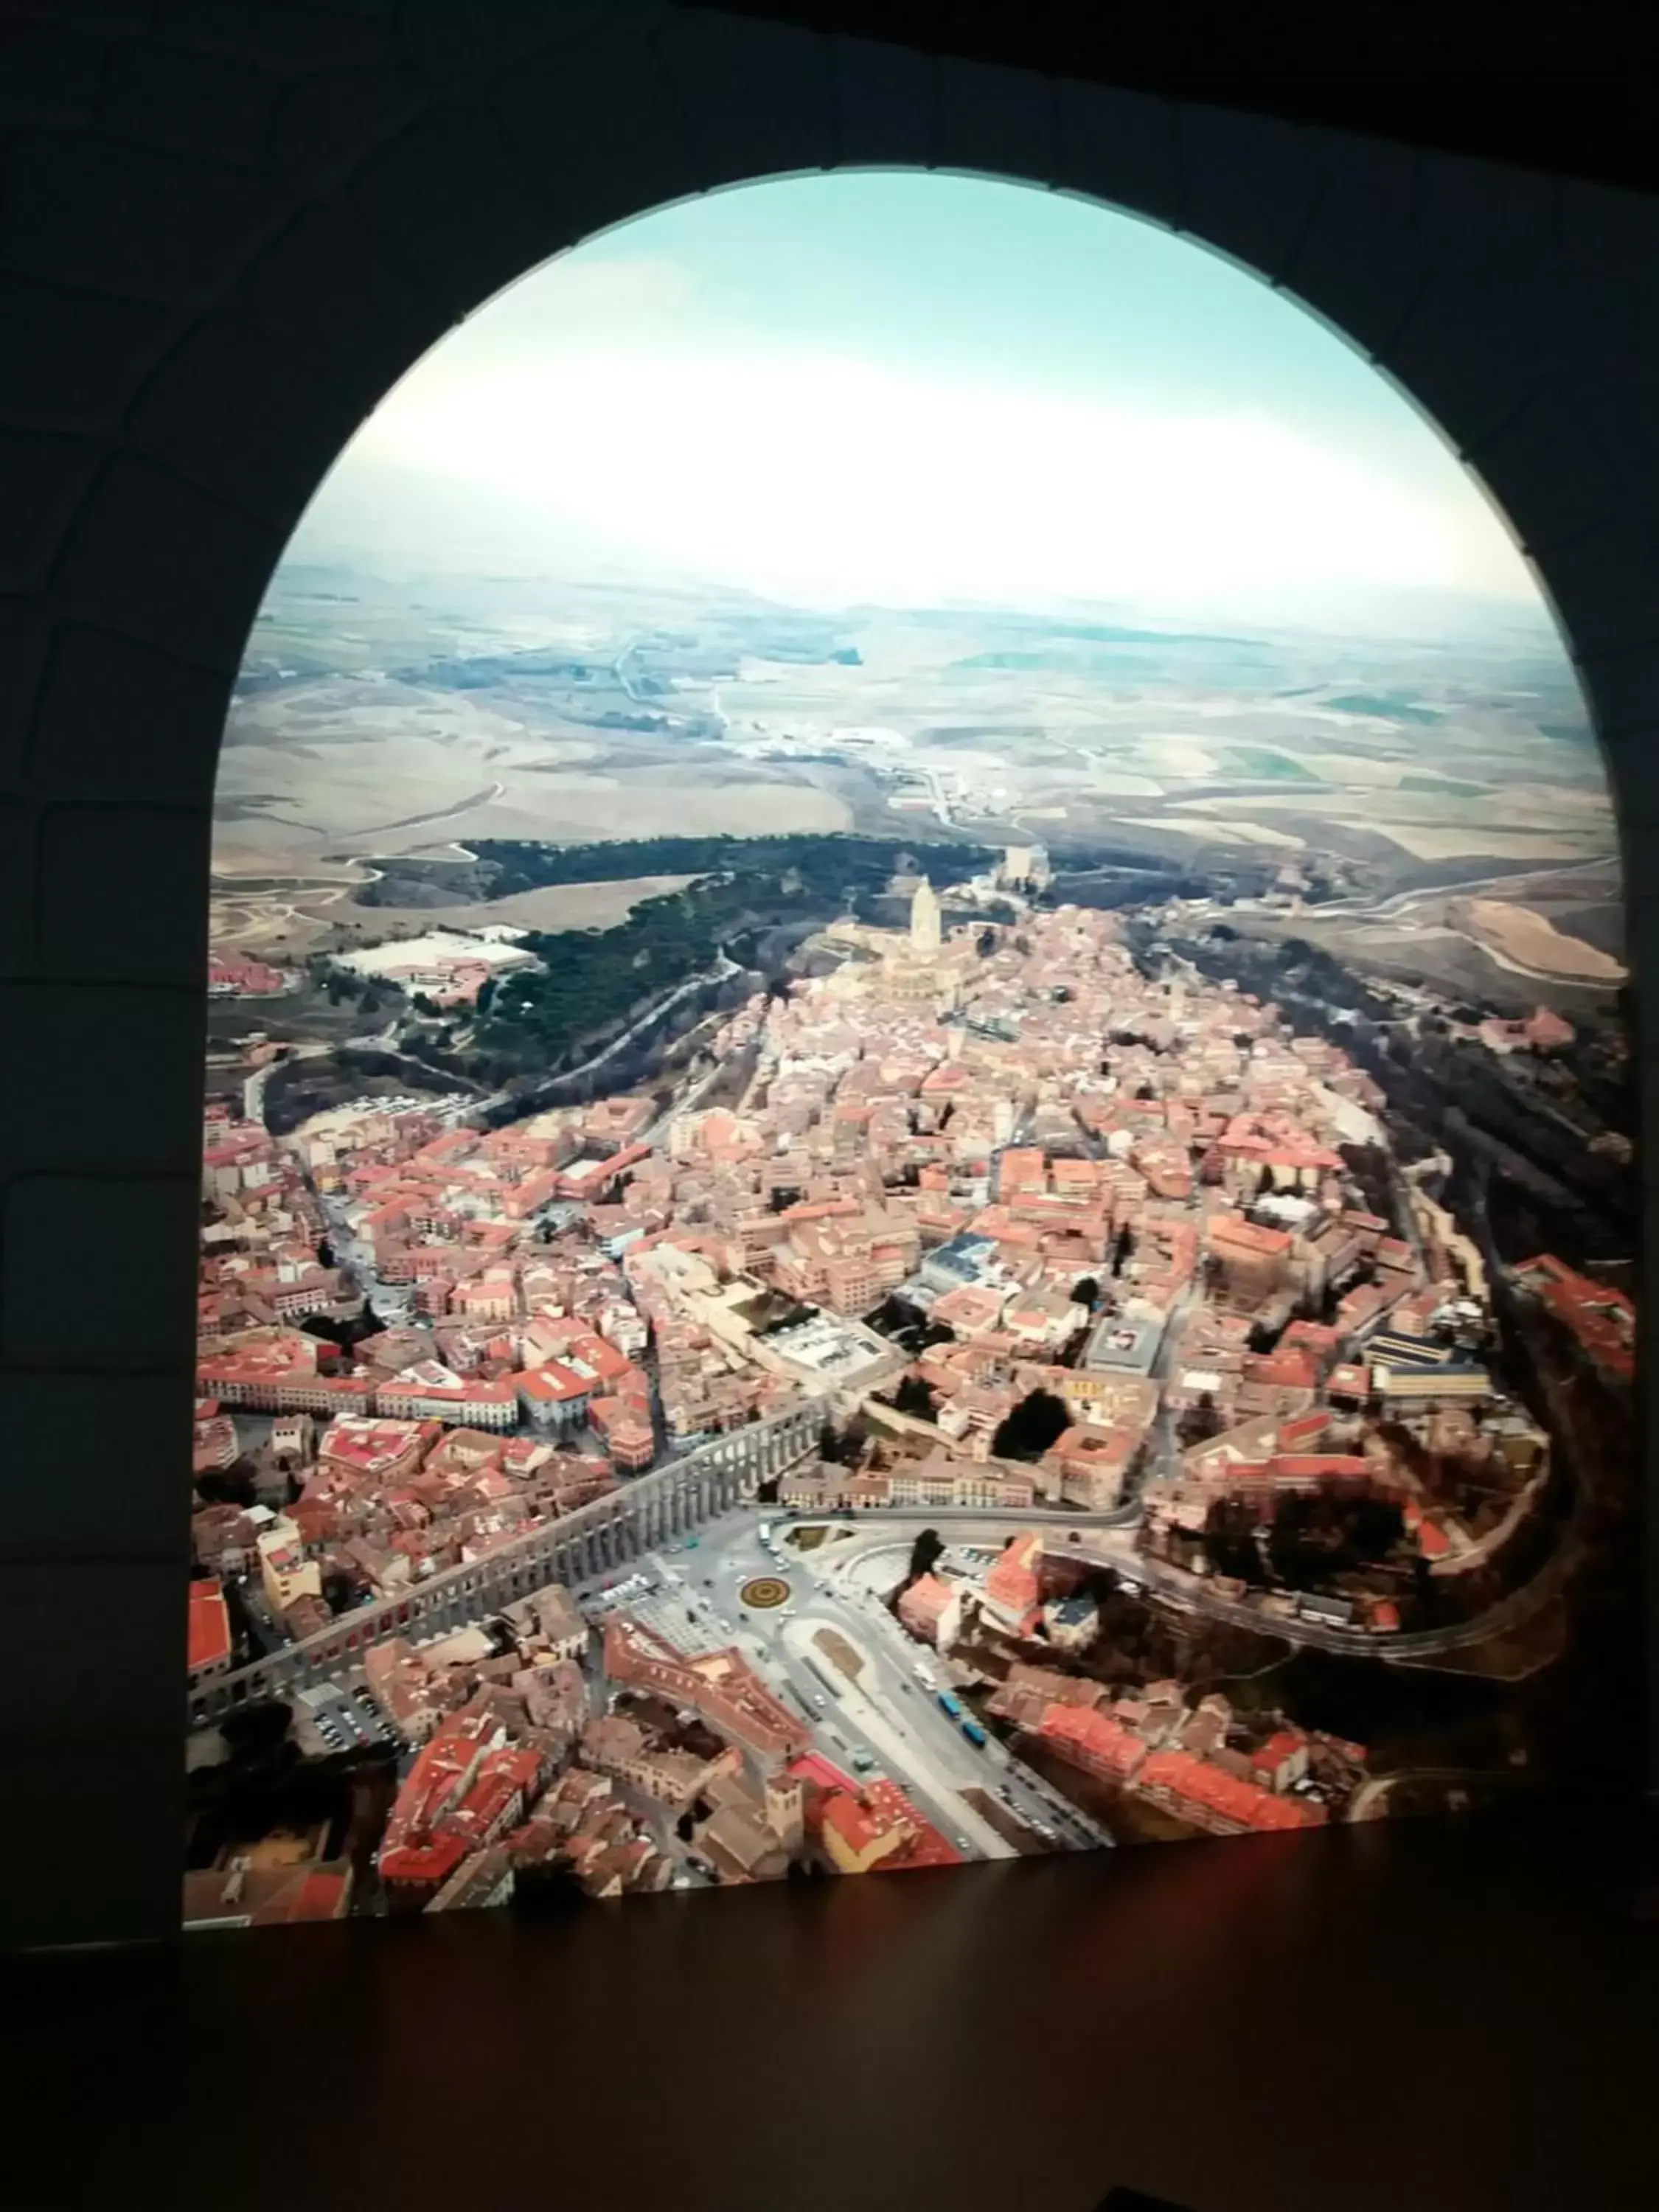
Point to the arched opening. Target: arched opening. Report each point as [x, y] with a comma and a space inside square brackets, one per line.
[963, 690]
[242, 346]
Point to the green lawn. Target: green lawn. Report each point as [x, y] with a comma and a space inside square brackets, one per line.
[1388, 704]
[1260, 761]
[1444, 785]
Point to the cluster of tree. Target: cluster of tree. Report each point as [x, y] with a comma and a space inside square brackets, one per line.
[1311, 1542]
[914, 1396]
[842, 1450]
[1372, 1168]
[306, 1087]
[345, 1333]
[1038, 1421]
[228, 1486]
[925, 1555]
[907, 1325]
[255, 1734]
[827, 863]
[593, 980]
[480, 671]
[1200, 1421]
[434, 1050]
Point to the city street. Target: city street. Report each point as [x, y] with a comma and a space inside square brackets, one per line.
[888, 1713]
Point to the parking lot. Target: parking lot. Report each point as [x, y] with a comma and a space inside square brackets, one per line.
[342, 1716]
[666, 1597]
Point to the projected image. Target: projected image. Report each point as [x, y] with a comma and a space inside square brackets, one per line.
[918, 1144]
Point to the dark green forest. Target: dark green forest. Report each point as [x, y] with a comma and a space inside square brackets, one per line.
[830, 866]
[593, 979]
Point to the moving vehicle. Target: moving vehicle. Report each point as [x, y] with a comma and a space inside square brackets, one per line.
[951, 1704]
[974, 1734]
[863, 1760]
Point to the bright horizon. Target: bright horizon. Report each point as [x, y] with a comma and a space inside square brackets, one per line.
[907, 389]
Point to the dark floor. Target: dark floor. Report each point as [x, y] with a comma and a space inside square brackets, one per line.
[1418, 2015]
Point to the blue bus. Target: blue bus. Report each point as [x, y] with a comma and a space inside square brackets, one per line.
[974, 1734]
[950, 1705]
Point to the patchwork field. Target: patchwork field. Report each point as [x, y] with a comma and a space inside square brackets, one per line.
[1532, 942]
[312, 919]
[1241, 833]
[377, 721]
[1426, 842]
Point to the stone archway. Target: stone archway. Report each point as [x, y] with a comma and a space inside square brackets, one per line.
[209, 293]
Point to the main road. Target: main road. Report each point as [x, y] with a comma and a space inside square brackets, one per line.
[1361, 909]
[1101, 1539]
[886, 1711]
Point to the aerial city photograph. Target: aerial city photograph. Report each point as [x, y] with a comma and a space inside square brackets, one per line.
[917, 1140]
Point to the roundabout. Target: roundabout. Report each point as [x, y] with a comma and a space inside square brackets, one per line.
[764, 1593]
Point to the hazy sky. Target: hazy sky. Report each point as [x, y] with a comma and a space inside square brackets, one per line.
[905, 388]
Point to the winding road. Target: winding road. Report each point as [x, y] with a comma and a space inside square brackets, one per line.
[1107, 1541]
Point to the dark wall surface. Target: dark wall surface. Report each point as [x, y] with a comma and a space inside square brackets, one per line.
[227, 227]
[1567, 85]
[1403, 2016]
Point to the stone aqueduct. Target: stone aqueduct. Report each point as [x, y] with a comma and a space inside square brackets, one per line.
[602, 1535]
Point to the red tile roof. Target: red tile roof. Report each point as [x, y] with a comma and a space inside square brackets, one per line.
[1092, 1738]
[1233, 1232]
[1208, 1789]
[209, 1626]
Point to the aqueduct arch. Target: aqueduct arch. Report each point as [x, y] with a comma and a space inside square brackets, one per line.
[207, 297]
